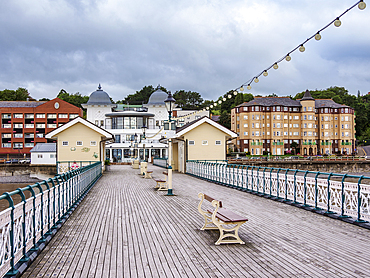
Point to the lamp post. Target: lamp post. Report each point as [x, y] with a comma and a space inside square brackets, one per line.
[144, 128]
[169, 102]
[135, 144]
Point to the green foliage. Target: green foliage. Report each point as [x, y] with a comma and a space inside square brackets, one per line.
[21, 94]
[141, 96]
[225, 119]
[188, 100]
[76, 99]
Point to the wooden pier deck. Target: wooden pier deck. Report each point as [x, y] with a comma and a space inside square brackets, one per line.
[124, 228]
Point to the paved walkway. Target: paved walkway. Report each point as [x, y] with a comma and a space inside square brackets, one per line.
[124, 228]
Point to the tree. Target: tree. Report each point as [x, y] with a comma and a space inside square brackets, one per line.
[248, 97]
[294, 145]
[21, 94]
[141, 96]
[225, 119]
[239, 99]
[188, 100]
[76, 99]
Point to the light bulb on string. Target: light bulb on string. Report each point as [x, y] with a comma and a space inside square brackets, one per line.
[235, 93]
[224, 99]
[207, 108]
[288, 58]
[220, 101]
[256, 80]
[337, 22]
[275, 66]
[362, 5]
[215, 104]
[229, 96]
[242, 88]
[211, 106]
[249, 87]
[318, 36]
[302, 48]
[265, 73]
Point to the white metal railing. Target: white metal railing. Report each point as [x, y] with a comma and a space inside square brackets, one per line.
[24, 226]
[347, 195]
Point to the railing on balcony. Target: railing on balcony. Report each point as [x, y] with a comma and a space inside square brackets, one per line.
[346, 143]
[25, 226]
[346, 195]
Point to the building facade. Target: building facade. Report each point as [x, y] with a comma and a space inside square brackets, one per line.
[25, 123]
[280, 125]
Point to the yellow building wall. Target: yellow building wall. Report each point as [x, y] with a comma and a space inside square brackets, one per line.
[72, 152]
[211, 151]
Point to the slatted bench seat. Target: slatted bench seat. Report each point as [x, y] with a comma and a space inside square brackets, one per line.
[148, 175]
[161, 183]
[226, 221]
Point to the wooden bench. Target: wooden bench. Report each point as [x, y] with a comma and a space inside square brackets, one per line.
[161, 184]
[148, 175]
[220, 218]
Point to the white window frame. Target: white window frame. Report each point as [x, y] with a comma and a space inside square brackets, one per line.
[65, 143]
[79, 143]
[218, 142]
[191, 143]
[204, 142]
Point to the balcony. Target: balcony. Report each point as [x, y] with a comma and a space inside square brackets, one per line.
[309, 143]
[346, 143]
[325, 143]
[278, 143]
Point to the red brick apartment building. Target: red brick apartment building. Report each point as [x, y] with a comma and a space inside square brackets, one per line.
[25, 123]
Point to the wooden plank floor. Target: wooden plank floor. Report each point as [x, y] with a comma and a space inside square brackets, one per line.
[124, 228]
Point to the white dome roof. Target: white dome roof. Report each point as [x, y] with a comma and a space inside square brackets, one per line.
[157, 97]
[99, 97]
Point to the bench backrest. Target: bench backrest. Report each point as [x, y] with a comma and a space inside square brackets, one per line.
[210, 199]
[165, 173]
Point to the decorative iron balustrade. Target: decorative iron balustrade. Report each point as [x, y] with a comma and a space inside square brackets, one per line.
[66, 166]
[321, 191]
[161, 162]
[25, 226]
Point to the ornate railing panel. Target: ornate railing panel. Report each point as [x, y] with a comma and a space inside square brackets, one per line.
[346, 195]
[24, 226]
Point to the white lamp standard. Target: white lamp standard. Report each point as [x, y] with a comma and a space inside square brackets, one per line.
[170, 103]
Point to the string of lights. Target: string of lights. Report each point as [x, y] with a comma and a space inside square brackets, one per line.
[301, 47]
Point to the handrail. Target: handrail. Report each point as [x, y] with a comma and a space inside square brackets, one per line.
[342, 194]
[26, 225]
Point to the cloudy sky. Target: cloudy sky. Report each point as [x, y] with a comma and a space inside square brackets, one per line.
[207, 46]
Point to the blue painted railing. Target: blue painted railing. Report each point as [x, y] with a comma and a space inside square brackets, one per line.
[26, 226]
[343, 194]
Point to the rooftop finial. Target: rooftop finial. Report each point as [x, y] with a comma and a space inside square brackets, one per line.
[99, 87]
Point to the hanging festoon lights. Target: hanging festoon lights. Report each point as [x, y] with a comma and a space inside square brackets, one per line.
[337, 23]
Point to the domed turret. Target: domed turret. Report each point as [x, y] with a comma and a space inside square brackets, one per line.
[157, 97]
[99, 97]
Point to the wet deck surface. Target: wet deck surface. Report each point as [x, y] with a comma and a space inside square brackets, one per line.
[124, 228]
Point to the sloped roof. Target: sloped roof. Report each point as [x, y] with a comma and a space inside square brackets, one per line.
[44, 148]
[11, 104]
[272, 101]
[328, 103]
[53, 134]
[189, 126]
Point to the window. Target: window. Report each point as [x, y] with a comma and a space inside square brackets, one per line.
[117, 138]
[257, 133]
[204, 142]
[6, 116]
[52, 116]
[245, 125]
[296, 133]
[79, 143]
[245, 141]
[245, 117]
[191, 142]
[52, 155]
[39, 156]
[245, 132]
[92, 143]
[17, 145]
[18, 116]
[40, 116]
[65, 143]
[296, 117]
[63, 116]
[218, 142]
[72, 116]
[28, 116]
